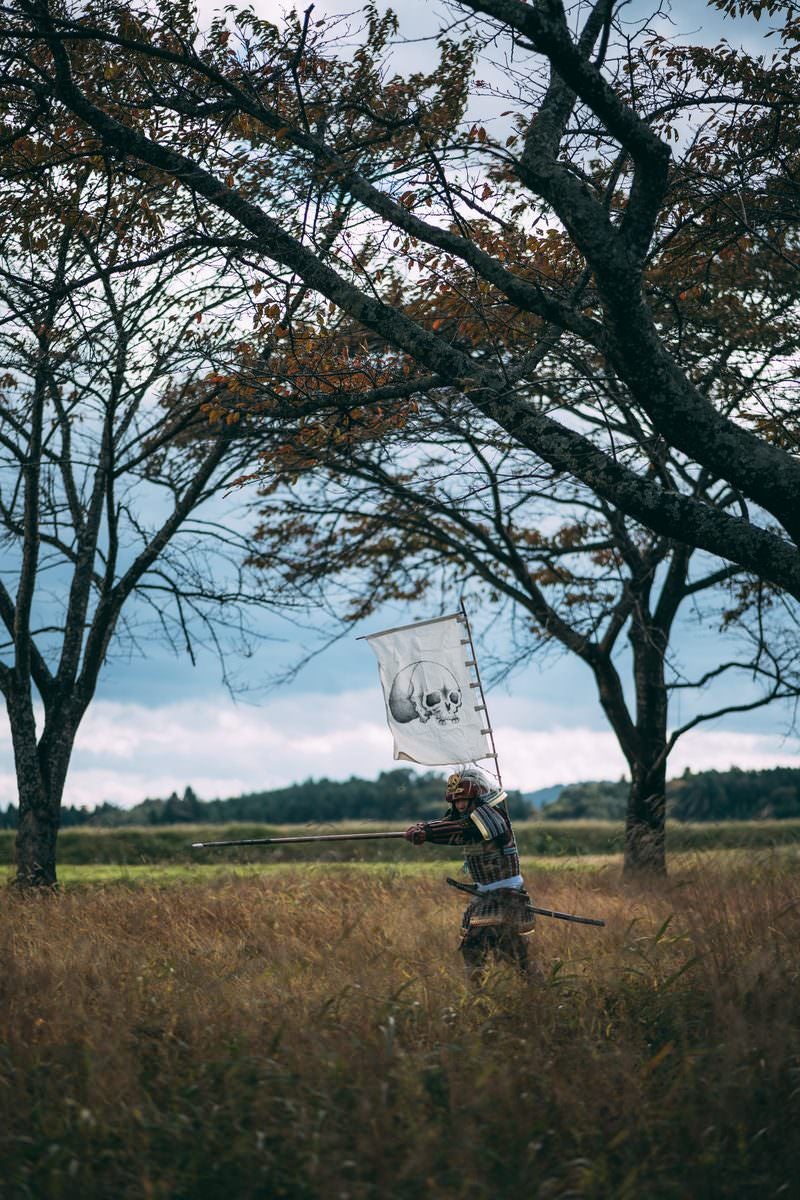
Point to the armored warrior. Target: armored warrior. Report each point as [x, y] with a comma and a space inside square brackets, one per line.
[500, 914]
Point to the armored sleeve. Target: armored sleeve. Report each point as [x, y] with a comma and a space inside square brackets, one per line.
[451, 832]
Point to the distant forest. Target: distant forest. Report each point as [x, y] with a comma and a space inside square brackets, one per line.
[397, 795]
[402, 794]
[733, 795]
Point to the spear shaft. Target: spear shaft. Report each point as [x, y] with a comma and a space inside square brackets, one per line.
[316, 837]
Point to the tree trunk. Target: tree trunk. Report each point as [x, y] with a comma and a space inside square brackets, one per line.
[36, 840]
[41, 769]
[645, 824]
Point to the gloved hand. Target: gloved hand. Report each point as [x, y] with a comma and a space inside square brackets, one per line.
[416, 834]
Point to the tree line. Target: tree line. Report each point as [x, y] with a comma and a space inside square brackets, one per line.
[734, 795]
[398, 795]
[402, 794]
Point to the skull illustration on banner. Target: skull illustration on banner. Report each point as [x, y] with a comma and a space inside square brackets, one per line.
[424, 690]
[428, 689]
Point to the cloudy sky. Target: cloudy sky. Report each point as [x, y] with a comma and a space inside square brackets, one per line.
[159, 724]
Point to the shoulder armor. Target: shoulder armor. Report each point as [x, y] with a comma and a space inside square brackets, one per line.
[495, 799]
[490, 823]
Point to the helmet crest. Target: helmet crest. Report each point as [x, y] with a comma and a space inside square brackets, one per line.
[469, 784]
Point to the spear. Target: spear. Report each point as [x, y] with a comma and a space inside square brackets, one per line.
[359, 837]
[316, 837]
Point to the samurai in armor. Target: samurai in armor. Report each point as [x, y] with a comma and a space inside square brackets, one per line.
[500, 914]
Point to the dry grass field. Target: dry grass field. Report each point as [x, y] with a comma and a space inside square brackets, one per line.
[308, 1034]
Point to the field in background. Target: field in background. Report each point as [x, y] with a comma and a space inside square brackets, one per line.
[172, 844]
[306, 1033]
[164, 874]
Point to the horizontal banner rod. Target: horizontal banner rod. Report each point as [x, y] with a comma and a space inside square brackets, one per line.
[414, 625]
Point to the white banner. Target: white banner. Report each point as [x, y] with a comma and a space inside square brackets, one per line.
[430, 706]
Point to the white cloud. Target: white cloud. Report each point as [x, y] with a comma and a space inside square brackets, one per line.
[125, 752]
[541, 758]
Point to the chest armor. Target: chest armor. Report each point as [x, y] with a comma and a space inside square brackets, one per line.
[494, 858]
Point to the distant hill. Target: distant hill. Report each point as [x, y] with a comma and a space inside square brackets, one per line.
[543, 795]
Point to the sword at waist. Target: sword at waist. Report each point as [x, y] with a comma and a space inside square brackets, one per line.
[472, 889]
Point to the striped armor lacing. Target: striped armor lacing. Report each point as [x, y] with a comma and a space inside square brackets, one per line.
[490, 848]
[492, 860]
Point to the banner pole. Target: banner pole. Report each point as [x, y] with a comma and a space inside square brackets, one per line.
[489, 730]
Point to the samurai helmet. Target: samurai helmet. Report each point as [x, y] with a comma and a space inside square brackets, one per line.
[468, 783]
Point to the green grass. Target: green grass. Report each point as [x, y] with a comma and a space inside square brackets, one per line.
[164, 874]
[567, 839]
[73, 875]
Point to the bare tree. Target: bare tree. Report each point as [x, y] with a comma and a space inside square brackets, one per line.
[443, 504]
[108, 472]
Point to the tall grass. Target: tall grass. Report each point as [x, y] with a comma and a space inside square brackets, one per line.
[308, 1036]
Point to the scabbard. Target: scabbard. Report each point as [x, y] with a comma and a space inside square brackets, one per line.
[472, 890]
[463, 887]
